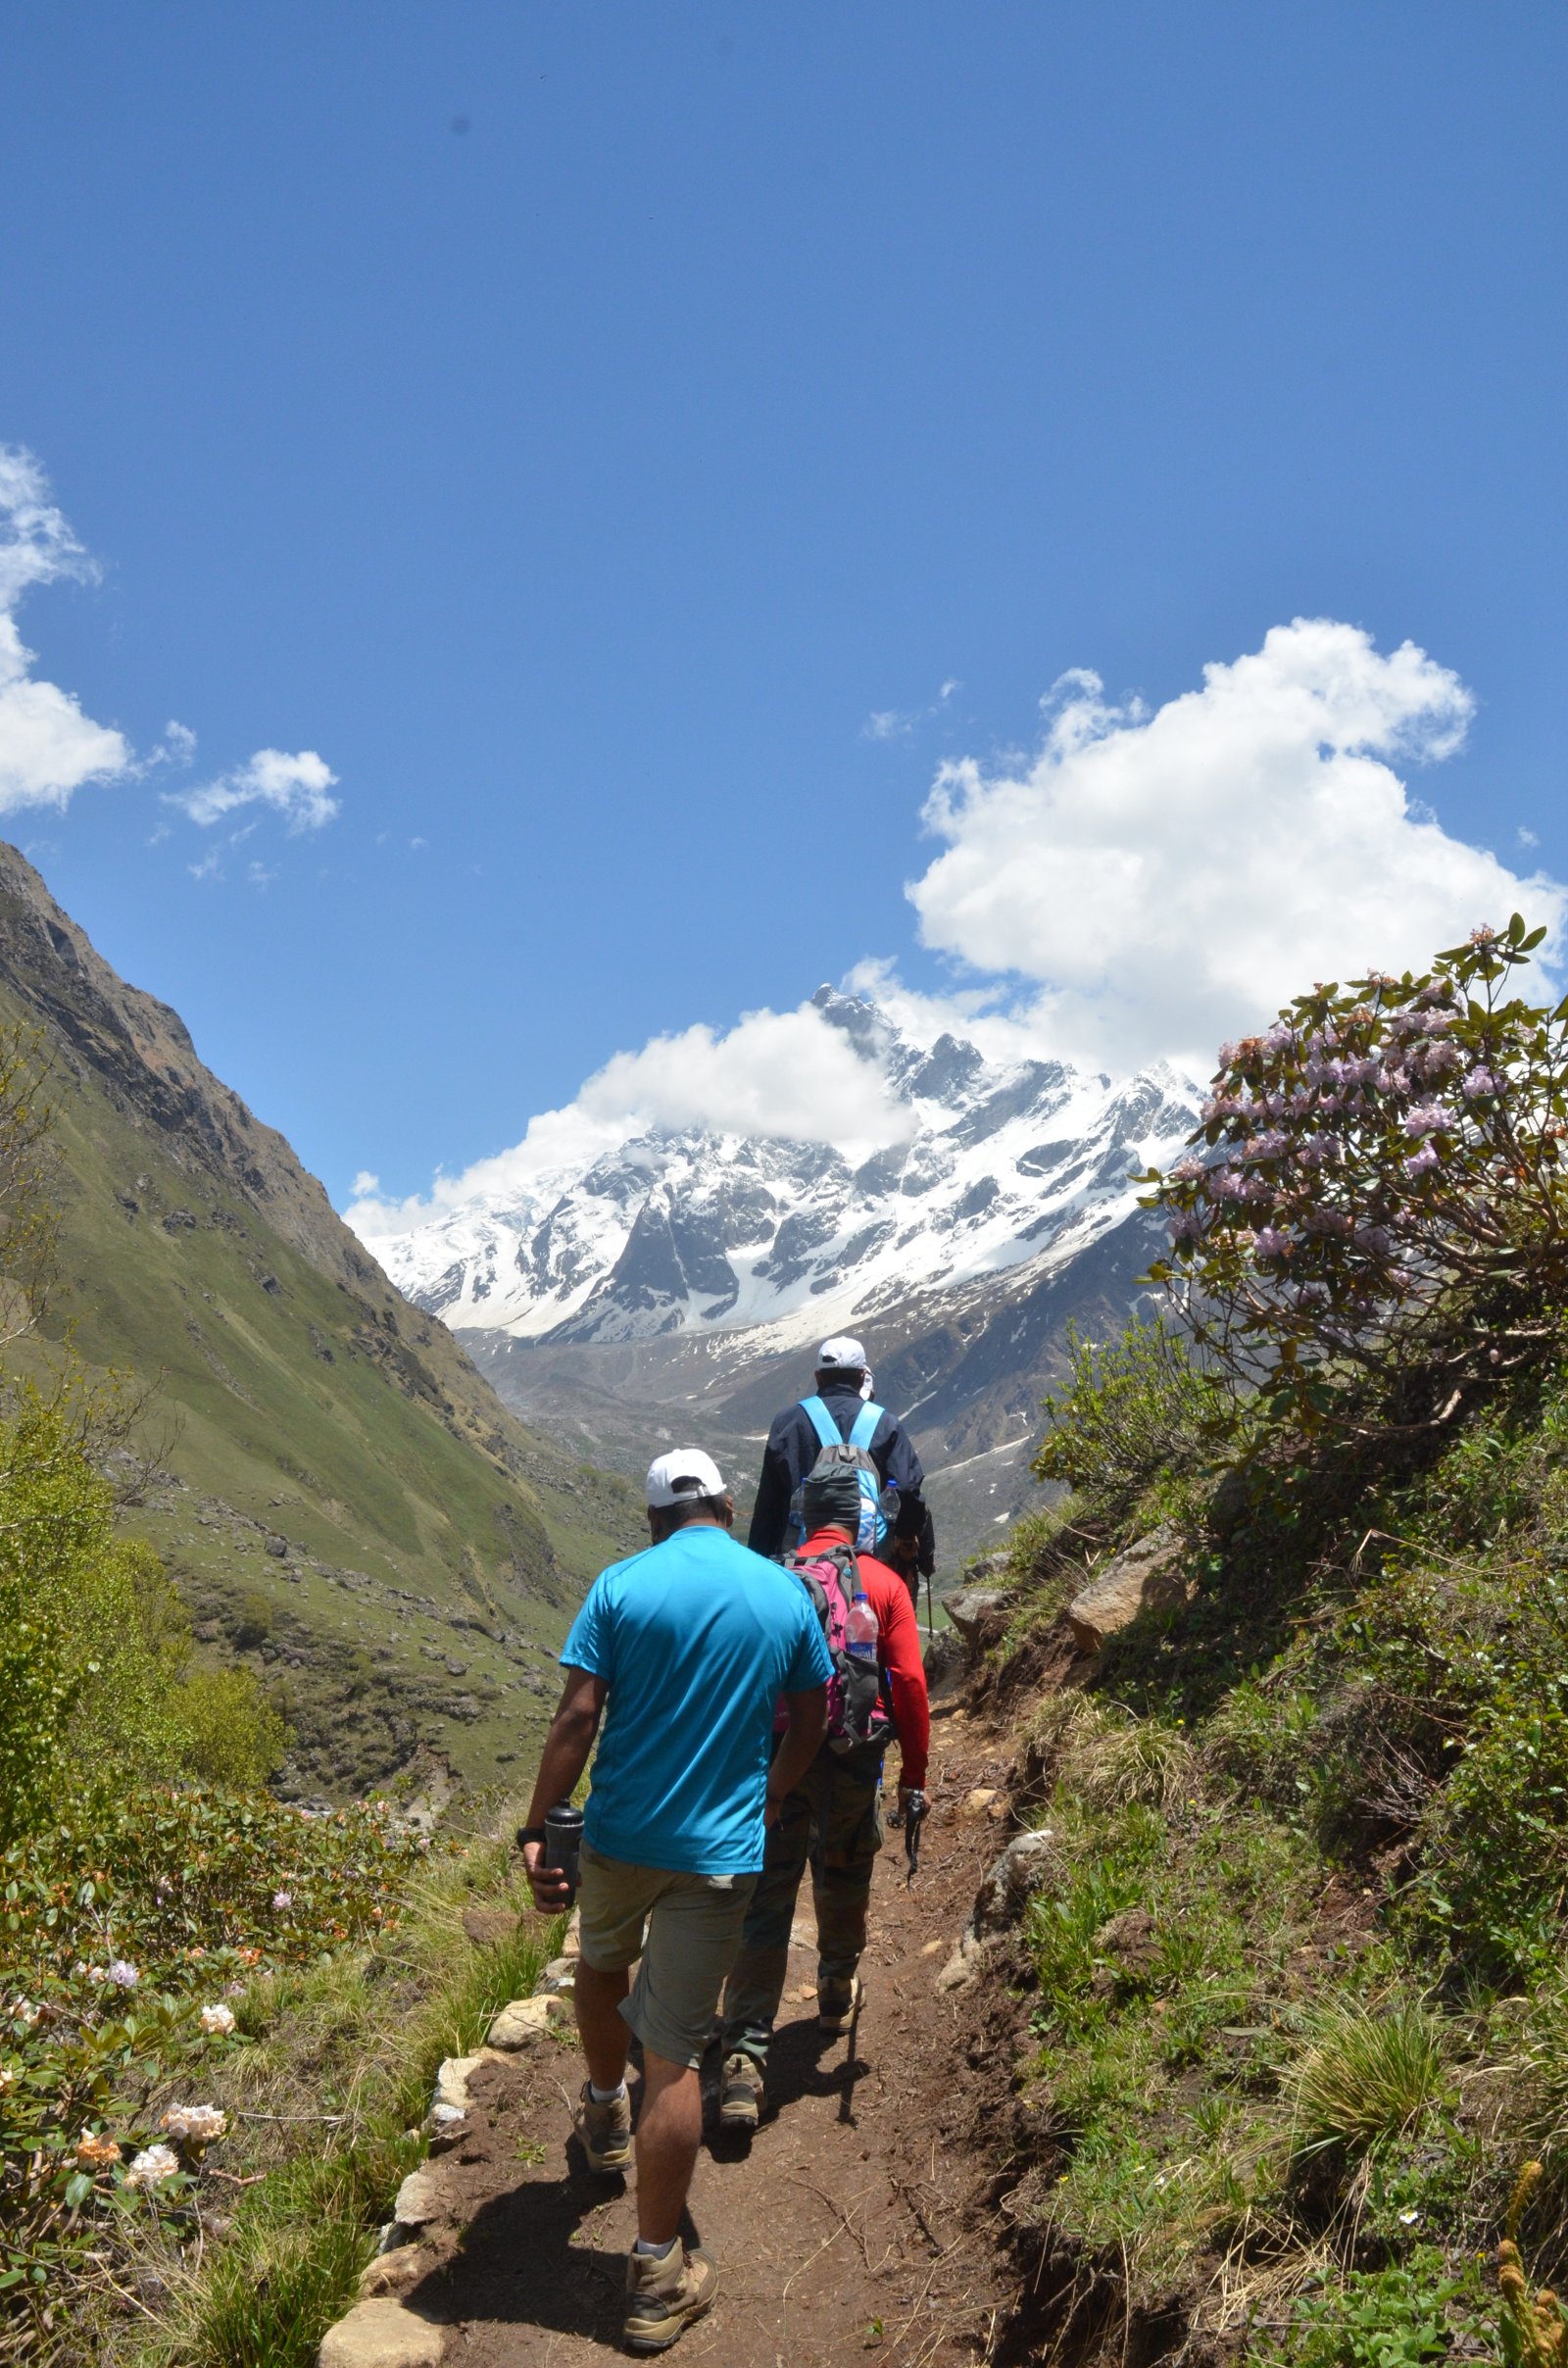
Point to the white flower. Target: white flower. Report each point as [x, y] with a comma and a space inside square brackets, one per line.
[282, 1900]
[152, 2166]
[25, 2014]
[7, 2078]
[196, 2125]
[217, 2020]
[124, 1974]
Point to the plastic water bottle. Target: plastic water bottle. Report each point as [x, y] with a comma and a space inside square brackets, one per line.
[861, 1630]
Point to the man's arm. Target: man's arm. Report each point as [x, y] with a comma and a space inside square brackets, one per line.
[565, 1755]
[913, 1539]
[802, 1740]
[901, 1656]
[776, 1484]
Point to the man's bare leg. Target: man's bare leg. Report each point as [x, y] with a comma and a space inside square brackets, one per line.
[669, 2131]
[601, 2026]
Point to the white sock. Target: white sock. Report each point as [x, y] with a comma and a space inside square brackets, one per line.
[658, 2252]
[606, 2096]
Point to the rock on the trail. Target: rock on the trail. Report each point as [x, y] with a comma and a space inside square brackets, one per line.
[526, 2021]
[963, 1966]
[970, 1610]
[560, 1975]
[451, 2082]
[980, 1800]
[395, 2272]
[1023, 1868]
[381, 2333]
[1026, 1864]
[419, 2200]
[1146, 1578]
[943, 1659]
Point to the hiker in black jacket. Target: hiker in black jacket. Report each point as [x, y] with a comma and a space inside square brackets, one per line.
[844, 1385]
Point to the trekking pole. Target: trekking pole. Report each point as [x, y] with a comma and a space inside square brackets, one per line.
[914, 1817]
[930, 1616]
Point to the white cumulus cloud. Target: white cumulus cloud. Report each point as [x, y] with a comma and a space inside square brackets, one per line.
[785, 1073]
[1166, 879]
[1146, 885]
[297, 787]
[48, 746]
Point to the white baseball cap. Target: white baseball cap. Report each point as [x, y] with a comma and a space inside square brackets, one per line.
[685, 1472]
[840, 1355]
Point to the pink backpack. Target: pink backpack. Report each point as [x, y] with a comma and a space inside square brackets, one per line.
[856, 1715]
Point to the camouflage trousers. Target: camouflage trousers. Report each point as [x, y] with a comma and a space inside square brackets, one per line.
[832, 1822]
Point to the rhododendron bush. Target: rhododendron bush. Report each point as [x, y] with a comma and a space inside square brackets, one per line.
[121, 1946]
[1373, 1217]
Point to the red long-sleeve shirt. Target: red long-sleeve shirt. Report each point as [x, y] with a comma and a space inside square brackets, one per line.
[898, 1654]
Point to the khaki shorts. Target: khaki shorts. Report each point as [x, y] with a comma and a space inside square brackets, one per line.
[685, 1929]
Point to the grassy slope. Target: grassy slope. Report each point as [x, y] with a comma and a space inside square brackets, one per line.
[273, 1406]
[1296, 1973]
[434, 1546]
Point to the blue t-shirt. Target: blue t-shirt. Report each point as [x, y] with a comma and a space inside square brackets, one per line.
[696, 1640]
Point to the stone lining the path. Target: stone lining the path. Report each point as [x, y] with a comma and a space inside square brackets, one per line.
[380, 2331]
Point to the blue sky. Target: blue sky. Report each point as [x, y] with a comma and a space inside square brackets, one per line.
[578, 484]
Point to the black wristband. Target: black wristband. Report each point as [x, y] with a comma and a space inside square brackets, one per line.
[529, 1833]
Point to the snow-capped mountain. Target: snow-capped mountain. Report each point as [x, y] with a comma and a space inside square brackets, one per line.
[1001, 1168]
[672, 1287]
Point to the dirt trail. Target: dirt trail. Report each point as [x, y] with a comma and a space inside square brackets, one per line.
[839, 2230]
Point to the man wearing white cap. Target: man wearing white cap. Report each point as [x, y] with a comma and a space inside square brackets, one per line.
[844, 1410]
[684, 1650]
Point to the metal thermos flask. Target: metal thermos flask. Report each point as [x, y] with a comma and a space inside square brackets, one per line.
[563, 1843]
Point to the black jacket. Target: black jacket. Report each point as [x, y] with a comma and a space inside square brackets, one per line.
[792, 1449]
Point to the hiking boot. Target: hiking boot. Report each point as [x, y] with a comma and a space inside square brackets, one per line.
[663, 2295]
[741, 2097]
[838, 2004]
[605, 2130]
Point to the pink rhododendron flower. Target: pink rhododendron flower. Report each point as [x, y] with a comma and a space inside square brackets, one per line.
[1429, 1120]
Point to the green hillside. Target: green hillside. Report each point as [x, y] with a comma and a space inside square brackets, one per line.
[339, 1495]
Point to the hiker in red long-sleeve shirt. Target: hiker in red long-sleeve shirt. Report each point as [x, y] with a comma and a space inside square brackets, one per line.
[833, 1818]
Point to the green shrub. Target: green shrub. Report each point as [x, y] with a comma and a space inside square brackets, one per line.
[229, 1734]
[1397, 2317]
[114, 1937]
[1130, 1410]
[1367, 2076]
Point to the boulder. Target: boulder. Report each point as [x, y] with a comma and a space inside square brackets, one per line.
[381, 2333]
[451, 2082]
[558, 1976]
[390, 2273]
[963, 1965]
[943, 1659]
[526, 2021]
[1025, 1866]
[1146, 1578]
[972, 1610]
[419, 2202]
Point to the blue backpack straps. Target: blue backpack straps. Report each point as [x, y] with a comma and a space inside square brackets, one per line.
[866, 1422]
[822, 1422]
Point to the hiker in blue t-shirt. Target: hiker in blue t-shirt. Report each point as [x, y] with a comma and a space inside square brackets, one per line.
[685, 1650]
